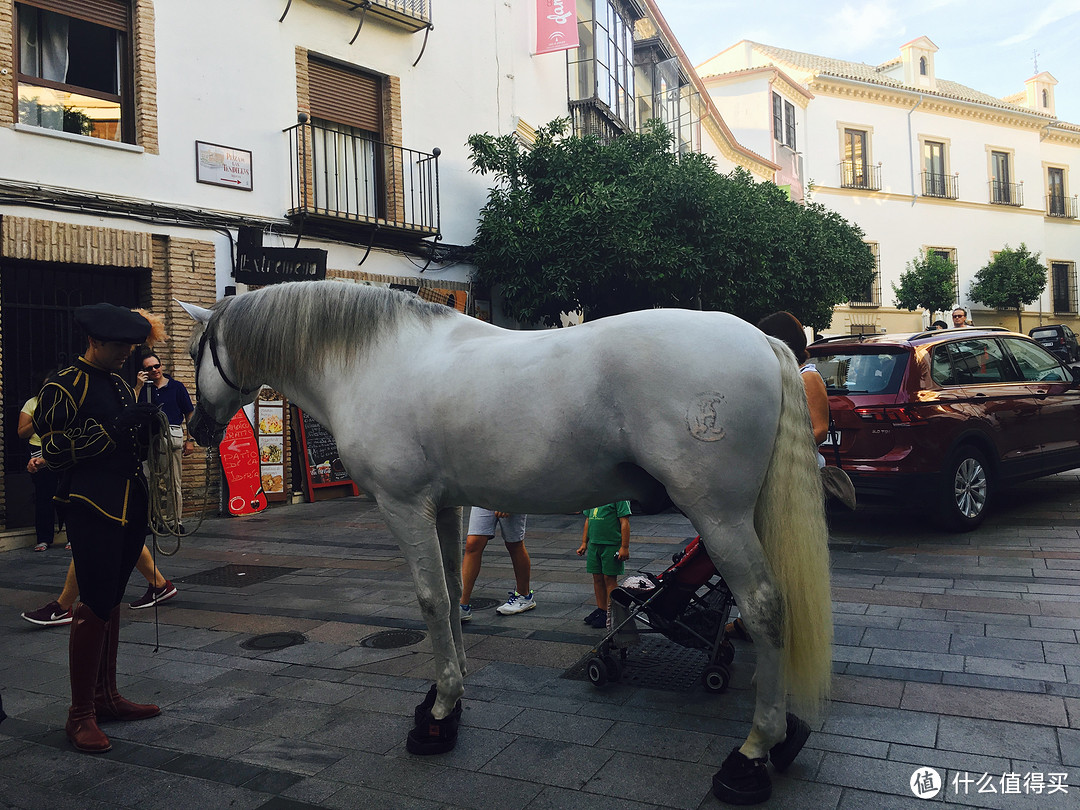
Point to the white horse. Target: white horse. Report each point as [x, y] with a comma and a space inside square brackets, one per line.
[432, 410]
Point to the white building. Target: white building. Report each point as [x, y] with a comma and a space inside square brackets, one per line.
[919, 162]
[154, 150]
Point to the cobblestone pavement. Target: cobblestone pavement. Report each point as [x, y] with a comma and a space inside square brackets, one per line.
[953, 652]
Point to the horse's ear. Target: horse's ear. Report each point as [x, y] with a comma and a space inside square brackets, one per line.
[198, 313]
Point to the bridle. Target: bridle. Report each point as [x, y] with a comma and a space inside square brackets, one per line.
[209, 338]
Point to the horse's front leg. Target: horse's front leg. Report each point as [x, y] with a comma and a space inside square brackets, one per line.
[413, 525]
[448, 525]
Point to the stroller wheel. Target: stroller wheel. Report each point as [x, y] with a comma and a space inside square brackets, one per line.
[597, 670]
[715, 678]
[614, 667]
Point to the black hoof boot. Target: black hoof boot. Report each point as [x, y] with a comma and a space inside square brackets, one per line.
[420, 713]
[741, 780]
[783, 753]
[433, 736]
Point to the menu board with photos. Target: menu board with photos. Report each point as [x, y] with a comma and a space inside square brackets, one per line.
[325, 472]
[270, 433]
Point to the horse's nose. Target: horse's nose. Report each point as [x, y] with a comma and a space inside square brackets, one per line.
[202, 430]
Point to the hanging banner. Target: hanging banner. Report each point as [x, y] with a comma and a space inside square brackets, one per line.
[556, 25]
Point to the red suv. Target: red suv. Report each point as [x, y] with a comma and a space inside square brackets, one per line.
[945, 418]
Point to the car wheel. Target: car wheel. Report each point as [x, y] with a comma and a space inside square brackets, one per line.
[966, 489]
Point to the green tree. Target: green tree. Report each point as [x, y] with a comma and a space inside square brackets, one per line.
[928, 283]
[1013, 279]
[574, 223]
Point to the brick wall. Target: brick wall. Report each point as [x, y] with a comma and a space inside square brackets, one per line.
[7, 61]
[184, 269]
[145, 78]
[41, 240]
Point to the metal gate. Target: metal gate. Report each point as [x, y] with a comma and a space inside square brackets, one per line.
[37, 300]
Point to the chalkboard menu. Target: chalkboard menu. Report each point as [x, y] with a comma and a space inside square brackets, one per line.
[321, 461]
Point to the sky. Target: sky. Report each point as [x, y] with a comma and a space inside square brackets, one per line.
[989, 45]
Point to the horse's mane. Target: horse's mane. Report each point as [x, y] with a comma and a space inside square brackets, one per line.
[286, 329]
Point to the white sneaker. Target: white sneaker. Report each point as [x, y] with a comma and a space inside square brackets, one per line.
[466, 613]
[516, 604]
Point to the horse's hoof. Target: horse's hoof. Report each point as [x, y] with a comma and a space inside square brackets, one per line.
[783, 753]
[422, 709]
[741, 780]
[433, 736]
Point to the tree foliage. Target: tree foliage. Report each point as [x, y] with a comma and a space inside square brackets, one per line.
[928, 283]
[574, 223]
[1013, 279]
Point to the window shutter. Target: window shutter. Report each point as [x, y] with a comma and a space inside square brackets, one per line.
[110, 13]
[344, 96]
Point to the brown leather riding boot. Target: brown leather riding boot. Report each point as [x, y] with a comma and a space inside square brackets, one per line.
[108, 702]
[84, 659]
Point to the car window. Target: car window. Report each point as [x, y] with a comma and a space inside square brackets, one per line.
[1044, 333]
[851, 373]
[975, 361]
[1035, 363]
[941, 368]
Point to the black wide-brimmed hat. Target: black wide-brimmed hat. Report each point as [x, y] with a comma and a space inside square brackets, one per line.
[110, 322]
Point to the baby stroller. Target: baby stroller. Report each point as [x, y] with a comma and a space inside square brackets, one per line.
[689, 604]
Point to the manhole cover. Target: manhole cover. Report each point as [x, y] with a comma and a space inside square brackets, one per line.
[484, 603]
[236, 576]
[273, 641]
[392, 639]
[654, 664]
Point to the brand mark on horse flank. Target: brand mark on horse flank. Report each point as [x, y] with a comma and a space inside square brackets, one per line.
[703, 417]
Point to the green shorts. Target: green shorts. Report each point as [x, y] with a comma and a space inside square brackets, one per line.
[602, 558]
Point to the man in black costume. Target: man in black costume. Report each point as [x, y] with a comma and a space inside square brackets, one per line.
[96, 437]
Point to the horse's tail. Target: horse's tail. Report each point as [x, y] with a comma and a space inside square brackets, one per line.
[790, 521]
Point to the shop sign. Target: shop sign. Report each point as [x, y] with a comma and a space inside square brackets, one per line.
[260, 265]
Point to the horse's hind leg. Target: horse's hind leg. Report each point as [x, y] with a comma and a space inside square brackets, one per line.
[413, 525]
[738, 555]
[448, 525]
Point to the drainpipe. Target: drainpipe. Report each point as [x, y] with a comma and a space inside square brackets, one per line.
[911, 149]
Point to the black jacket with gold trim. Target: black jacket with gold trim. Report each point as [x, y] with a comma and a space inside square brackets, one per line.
[75, 411]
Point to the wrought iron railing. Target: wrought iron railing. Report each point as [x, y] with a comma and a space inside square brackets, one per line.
[339, 174]
[860, 175]
[945, 186]
[1006, 193]
[1058, 205]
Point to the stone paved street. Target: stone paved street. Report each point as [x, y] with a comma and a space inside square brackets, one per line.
[954, 652]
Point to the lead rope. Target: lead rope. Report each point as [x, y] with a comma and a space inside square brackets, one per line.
[160, 512]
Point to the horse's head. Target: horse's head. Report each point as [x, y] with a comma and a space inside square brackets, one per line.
[218, 398]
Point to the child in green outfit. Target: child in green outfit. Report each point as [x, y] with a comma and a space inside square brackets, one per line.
[605, 544]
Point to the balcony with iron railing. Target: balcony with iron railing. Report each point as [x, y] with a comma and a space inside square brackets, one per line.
[943, 186]
[860, 175]
[1006, 193]
[343, 178]
[413, 15]
[1058, 205]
